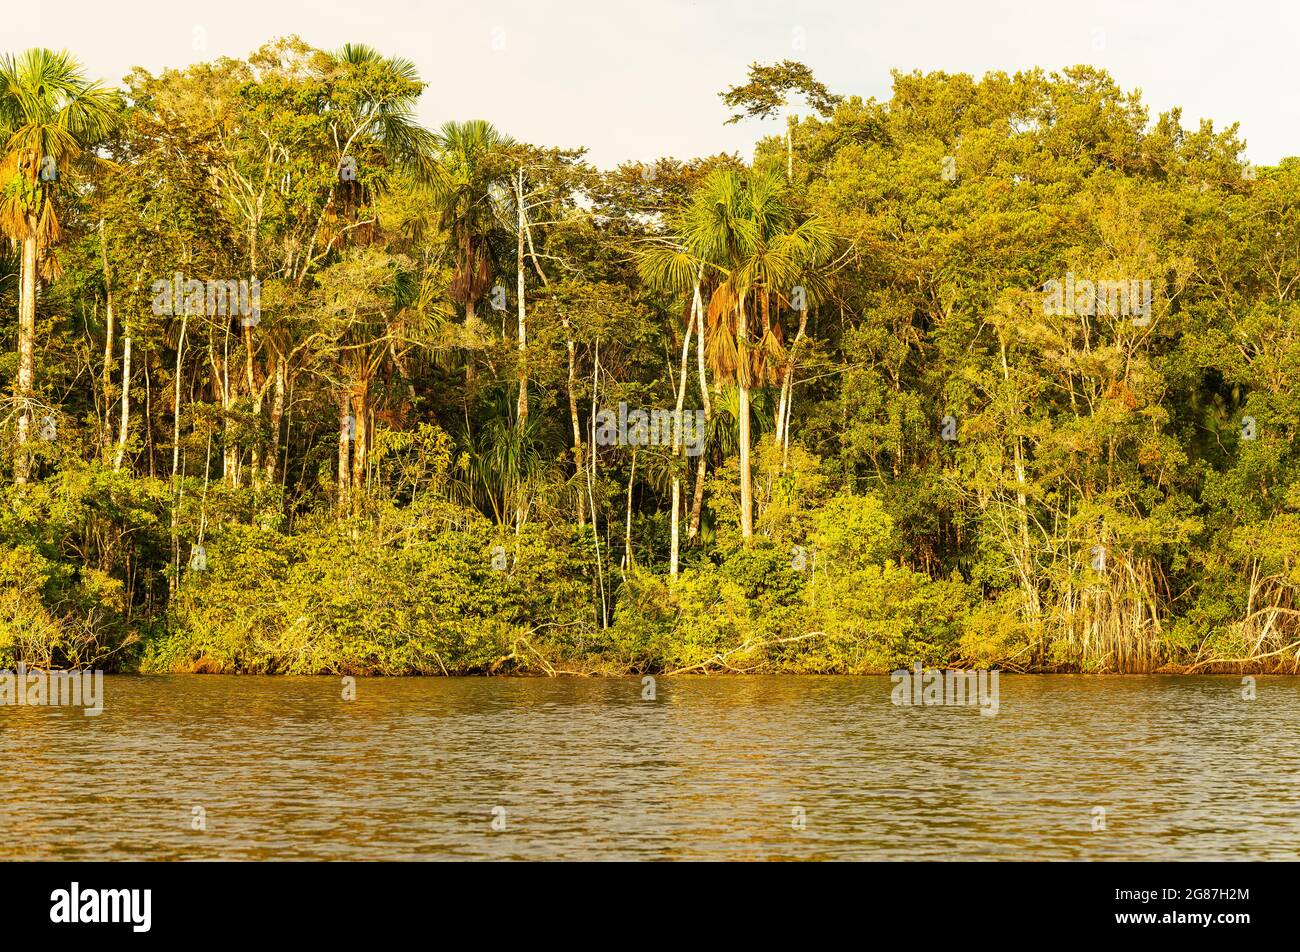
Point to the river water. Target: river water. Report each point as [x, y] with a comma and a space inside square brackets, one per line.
[781, 767]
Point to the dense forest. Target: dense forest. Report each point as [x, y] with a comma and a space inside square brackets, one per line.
[993, 373]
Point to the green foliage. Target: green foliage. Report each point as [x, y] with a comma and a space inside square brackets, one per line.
[395, 599]
[946, 468]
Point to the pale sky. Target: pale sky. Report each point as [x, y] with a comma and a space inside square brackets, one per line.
[633, 81]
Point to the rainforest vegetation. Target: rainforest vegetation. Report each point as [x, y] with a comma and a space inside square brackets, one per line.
[294, 384]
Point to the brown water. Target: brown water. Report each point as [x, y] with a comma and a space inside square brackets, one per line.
[283, 768]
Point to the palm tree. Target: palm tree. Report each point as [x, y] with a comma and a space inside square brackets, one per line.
[385, 112]
[367, 110]
[50, 116]
[743, 229]
[502, 469]
[671, 266]
[470, 192]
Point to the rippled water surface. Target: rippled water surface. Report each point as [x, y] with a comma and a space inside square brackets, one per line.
[726, 767]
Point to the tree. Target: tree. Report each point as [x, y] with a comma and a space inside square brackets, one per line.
[965, 469]
[770, 89]
[744, 230]
[369, 313]
[51, 118]
[470, 191]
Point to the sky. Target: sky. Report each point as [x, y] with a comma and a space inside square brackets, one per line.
[632, 81]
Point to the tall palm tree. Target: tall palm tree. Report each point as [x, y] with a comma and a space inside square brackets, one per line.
[50, 117]
[743, 229]
[385, 111]
[672, 267]
[370, 111]
[470, 192]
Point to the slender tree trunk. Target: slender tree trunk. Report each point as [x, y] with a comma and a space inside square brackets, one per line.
[106, 437]
[345, 444]
[675, 550]
[591, 482]
[789, 148]
[26, 356]
[178, 487]
[521, 408]
[255, 459]
[742, 389]
[148, 415]
[277, 415]
[627, 539]
[1026, 556]
[360, 422]
[785, 434]
[288, 432]
[697, 502]
[787, 391]
[522, 414]
[174, 582]
[176, 415]
[126, 398]
[573, 410]
[229, 449]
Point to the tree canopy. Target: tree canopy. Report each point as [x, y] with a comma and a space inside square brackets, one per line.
[993, 372]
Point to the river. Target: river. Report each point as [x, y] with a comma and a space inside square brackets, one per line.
[779, 767]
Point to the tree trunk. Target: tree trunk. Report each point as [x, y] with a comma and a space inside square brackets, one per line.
[522, 414]
[344, 471]
[591, 482]
[148, 415]
[26, 357]
[106, 437]
[360, 424]
[277, 415]
[229, 450]
[742, 389]
[697, 502]
[675, 550]
[521, 409]
[176, 414]
[126, 399]
[789, 148]
[785, 433]
[255, 459]
[573, 411]
[787, 391]
[627, 539]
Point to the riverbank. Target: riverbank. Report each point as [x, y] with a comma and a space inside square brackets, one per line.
[515, 666]
[393, 596]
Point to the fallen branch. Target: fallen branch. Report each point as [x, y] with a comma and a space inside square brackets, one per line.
[1251, 660]
[721, 659]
